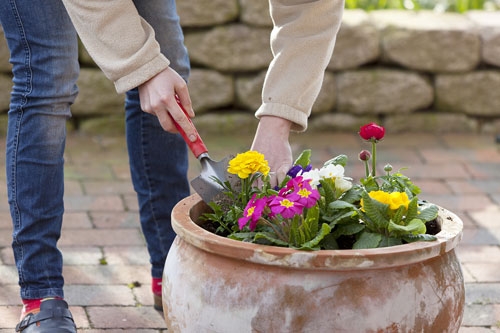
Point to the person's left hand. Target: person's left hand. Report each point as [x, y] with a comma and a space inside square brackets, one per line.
[271, 139]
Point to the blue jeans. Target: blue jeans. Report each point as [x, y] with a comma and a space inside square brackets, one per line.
[44, 55]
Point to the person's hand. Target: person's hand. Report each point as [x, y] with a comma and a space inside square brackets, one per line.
[271, 139]
[158, 97]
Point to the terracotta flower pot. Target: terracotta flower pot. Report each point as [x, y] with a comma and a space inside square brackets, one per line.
[214, 284]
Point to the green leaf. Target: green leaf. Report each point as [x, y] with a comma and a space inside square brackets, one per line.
[242, 236]
[327, 190]
[390, 241]
[270, 237]
[340, 218]
[340, 204]
[412, 210]
[313, 243]
[294, 235]
[312, 219]
[376, 212]
[415, 226]
[304, 158]
[338, 160]
[347, 229]
[429, 213]
[353, 195]
[398, 215]
[367, 240]
[329, 243]
[420, 237]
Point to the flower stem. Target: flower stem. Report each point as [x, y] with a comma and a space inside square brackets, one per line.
[374, 157]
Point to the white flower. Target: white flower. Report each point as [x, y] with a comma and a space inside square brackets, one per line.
[343, 184]
[313, 175]
[332, 171]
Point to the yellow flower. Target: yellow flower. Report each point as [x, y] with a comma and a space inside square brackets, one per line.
[394, 199]
[398, 199]
[248, 163]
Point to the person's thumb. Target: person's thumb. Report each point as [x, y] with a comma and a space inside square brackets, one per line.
[281, 173]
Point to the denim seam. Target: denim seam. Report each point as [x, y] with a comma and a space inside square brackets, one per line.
[150, 186]
[20, 113]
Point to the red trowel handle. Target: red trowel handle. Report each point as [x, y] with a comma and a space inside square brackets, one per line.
[197, 147]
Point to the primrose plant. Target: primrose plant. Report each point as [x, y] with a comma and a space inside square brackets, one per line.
[321, 208]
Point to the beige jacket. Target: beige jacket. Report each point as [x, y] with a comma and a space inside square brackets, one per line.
[302, 43]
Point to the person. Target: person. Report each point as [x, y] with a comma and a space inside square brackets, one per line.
[302, 42]
[139, 46]
[151, 69]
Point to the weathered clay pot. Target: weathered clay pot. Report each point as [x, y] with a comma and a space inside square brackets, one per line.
[214, 284]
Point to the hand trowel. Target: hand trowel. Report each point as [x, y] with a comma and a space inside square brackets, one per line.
[204, 184]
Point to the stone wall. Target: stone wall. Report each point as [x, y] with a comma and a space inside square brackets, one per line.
[411, 71]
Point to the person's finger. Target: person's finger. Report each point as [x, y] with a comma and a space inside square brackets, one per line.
[183, 97]
[281, 174]
[182, 120]
[166, 121]
[273, 180]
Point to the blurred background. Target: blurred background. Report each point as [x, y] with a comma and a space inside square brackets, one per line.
[431, 66]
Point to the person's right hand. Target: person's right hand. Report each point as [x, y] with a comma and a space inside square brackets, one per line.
[271, 139]
[159, 97]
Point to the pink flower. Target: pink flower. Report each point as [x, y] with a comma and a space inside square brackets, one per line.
[287, 206]
[372, 131]
[302, 187]
[252, 213]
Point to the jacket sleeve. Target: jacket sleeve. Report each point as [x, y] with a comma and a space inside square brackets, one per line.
[119, 40]
[302, 42]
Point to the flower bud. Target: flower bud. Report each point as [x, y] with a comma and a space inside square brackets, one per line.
[364, 155]
[372, 131]
[388, 168]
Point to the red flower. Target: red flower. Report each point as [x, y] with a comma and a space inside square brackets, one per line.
[371, 132]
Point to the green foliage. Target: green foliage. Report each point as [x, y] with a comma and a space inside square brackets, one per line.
[315, 209]
[459, 6]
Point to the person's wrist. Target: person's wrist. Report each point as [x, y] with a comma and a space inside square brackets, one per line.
[276, 125]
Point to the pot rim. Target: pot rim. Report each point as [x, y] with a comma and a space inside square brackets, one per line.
[191, 233]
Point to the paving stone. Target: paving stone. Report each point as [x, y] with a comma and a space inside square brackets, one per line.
[484, 272]
[126, 255]
[467, 202]
[130, 202]
[76, 220]
[482, 293]
[117, 331]
[5, 221]
[476, 329]
[10, 317]
[481, 315]
[101, 237]
[107, 274]
[464, 186]
[489, 217]
[479, 237]
[9, 293]
[479, 254]
[125, 317]
[86, 295]
[112, 187]
[78, 203]
[83, 255]
[105, 220]
[484, 171]
[429, 187]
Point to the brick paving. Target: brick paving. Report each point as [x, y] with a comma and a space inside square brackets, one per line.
[106, 263]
